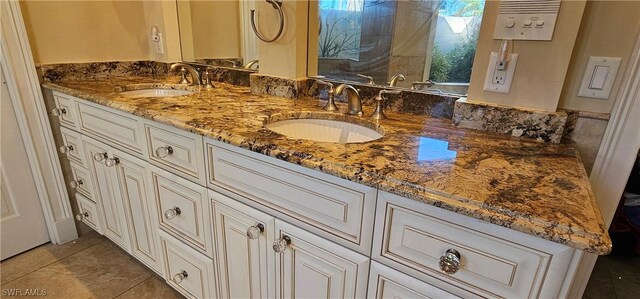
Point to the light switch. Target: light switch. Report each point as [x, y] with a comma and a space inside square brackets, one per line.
[599, 76]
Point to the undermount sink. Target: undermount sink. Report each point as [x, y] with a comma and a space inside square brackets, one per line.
[155, 92]
[324, 130]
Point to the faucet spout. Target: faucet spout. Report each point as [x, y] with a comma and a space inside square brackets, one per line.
[251, 64]
[353, 98]
[195, 75]
[394, 80]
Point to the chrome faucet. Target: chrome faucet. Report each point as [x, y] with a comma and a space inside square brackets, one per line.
[353, 98]
[251, 63]
[427, 83]
[394, 80]
[195, 75]
[369, 78]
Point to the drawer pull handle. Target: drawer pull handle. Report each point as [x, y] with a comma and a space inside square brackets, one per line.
[65, 149]
[164, 151]
[58, 111]
[109, 162]
[254, 231]
[178, 278]
[450, 261]
[172, 213]
[79, 217]
[281, 244]
[76, 183]
[99, 156]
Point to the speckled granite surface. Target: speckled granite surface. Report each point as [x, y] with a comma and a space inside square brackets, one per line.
[537, 188]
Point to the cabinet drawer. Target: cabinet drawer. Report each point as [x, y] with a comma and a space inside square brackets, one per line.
[187, 270]
[88, 212]
[338, 207]
[81, 181]
[66, 109]
[117, 129]
[72, 146]
[183, 210]
[176, 151]
[415, 235]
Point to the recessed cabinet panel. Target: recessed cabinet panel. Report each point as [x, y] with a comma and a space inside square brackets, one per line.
[245, 258]
[88, 213]
[81, 181]
[72, 146]
[66, 110]
[118, 130]
[312, 267]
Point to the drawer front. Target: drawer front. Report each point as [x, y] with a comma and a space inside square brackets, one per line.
[88, 212]
[121, 131]
[184, 210]
[385, 282]
[72, 146]
[336, 206]
[415, 236]
[81, 181]
[176, 151]
[66, 109]
[188, 271]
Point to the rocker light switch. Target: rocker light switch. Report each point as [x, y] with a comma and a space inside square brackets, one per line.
[599, 76]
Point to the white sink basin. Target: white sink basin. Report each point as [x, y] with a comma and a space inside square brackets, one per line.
[324, 130]
[155, 92]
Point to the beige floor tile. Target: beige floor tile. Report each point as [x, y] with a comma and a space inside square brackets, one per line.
[102, 271]
[34, 259]
[152, 288]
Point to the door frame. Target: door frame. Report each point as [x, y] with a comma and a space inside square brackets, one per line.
[614, 161]
[30, 110]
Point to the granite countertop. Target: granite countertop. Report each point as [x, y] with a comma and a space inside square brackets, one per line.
[537, 188]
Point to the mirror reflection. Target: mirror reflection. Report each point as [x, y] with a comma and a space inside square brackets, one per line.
[417, 44]
[217, 33]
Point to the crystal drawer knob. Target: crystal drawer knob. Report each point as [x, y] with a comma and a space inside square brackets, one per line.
[58, 111]
[450, 261]
[79, 217]
[65, 149]
[178, 278]
[281, 244]
[164, 151]
[109, 162]
[254, 231]
[172, 213]
[76, 183]
[99, 156]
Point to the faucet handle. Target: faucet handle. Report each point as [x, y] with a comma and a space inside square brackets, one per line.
[207, 79]
[183, 76]
[427, 83]
[369, 78]
[380, 99]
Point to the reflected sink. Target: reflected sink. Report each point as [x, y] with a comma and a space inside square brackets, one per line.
[155, 92]
[325, 130]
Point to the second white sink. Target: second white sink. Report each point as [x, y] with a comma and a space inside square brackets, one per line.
[155, 92]
[324, 130]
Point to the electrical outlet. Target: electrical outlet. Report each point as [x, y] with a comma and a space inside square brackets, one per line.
[499, 76]
[159, 44]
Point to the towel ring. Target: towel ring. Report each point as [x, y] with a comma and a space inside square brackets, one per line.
[277, 4]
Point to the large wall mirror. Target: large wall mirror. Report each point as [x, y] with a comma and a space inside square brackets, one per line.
[217, 33]
[389, 42]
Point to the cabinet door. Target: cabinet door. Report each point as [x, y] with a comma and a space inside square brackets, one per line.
[109, 201]
[312, 267]
[140, 209]
[385, 282]
[245, 258]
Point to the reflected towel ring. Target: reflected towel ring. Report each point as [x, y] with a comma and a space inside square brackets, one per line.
[277, 4]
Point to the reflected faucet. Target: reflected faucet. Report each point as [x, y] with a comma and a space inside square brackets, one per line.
[251, 63]
[427, 83]
[369, 78]
[394, 80]
[195, 75]
[353, 98]
[233, 63]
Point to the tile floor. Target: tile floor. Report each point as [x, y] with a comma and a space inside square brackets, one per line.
[614, 277]
[90, 267]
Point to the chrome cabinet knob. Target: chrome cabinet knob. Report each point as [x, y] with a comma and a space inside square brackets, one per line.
[178, 278]
[58, 111]
[164, 151]
[172, 213]
[254, 231]
[76, 183]
[450, 261]
[65, 149]
[79, 217]
[99, 156]
[109, 162]
[281, 244]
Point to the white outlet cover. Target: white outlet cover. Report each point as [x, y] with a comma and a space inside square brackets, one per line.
[508, 78]
[612, 63]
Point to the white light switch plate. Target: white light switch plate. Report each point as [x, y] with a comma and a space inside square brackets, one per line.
[598, 84]
[500, 80]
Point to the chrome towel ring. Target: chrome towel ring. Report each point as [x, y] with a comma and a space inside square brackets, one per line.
[277, 4]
